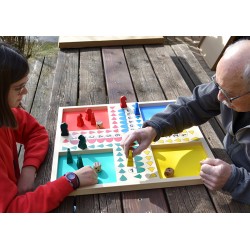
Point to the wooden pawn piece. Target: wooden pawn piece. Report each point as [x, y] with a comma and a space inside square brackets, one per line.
[88, 114]
[130, 162]
[93, 121]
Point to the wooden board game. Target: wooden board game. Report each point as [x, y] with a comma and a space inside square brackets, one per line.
[182, 152]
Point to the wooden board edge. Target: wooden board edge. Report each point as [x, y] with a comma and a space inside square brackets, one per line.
[112, 42]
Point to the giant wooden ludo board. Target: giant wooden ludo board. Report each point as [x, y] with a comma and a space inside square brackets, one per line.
[182, 152]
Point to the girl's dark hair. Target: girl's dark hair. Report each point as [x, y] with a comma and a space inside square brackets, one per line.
[13, 67]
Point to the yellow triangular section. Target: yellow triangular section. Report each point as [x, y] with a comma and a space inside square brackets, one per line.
[152, 176]
[148, 157]
[161, 141]
[170, 141]
[146, 151]
[150, 163]
[186, 139]
[191, 132]
[151, 169]
[177, 140]
[195, 139]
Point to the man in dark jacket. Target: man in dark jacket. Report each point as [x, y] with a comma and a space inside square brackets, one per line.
[227, 94]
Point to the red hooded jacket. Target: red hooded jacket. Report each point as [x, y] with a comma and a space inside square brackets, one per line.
[34, 137]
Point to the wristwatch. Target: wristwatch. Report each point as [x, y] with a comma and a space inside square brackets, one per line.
[73, 179]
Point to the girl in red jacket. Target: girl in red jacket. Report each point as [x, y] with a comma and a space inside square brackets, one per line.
[18, 126]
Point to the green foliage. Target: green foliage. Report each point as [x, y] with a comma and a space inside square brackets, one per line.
[23, 43]
[31, 46]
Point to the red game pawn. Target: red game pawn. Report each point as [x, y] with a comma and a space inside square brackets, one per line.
[80, 121]
[123, 102]
[93, 121]
[88, 114]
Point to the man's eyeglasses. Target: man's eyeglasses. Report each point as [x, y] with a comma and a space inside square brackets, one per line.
[229, 99]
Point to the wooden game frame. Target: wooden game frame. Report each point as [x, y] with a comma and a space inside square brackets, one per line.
[133, 184]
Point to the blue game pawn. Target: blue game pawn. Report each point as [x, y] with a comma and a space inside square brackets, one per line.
[137, 111]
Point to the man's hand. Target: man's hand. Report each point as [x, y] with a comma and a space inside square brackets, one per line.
[144, 136]
[215, 173]
[26, 180]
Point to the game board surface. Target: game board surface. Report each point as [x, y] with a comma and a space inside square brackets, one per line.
[181, 152]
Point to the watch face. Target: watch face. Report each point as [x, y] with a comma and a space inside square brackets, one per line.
[71, 176]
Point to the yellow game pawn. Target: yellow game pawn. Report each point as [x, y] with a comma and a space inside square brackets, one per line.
[130, 162]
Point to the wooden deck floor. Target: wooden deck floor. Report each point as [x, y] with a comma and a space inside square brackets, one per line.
[192, 42]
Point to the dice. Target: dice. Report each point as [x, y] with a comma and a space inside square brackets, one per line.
[97, 167]
[169, 172]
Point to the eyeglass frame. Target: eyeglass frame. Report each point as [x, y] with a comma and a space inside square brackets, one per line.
[230, 99]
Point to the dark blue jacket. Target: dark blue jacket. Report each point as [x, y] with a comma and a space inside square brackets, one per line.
[196, 110]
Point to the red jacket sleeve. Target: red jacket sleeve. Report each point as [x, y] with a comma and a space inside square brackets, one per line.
[33, 136]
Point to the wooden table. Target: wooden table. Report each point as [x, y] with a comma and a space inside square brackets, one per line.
[141, 73]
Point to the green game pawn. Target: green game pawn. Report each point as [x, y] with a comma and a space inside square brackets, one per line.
[82, 142]
[79, 163]
[69, 157]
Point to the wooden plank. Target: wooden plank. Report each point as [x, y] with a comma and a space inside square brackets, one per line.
[64, 93]
[222, 202]
[143, 76]
[173, 86]
[115, 61]
[92, 90]
[189, 199]
[145, 201]
[96, 41]
[117, 76]
[34, 75]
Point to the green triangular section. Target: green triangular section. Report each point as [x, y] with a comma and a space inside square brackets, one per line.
[120, 165]
[122, 171]
[119, 154]
[139, 176]
[140, 170]
[139, 164]
[120, 159]
[123, 178]
[138, 158]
